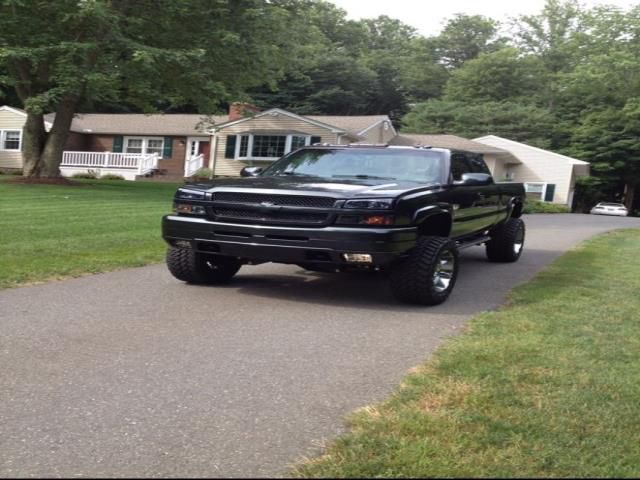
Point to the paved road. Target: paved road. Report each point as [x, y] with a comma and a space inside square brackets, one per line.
[133, 374]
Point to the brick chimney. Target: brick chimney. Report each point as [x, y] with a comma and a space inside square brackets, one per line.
[238, 110]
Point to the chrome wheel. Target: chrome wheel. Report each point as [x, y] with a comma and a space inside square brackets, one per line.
[444, 271]
[519, 241]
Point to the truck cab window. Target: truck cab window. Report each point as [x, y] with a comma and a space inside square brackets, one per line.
[459, 166]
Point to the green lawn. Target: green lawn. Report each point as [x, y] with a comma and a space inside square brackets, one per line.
[51, 231]
[548, 386]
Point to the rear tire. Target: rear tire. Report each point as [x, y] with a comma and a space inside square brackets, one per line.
[507, 241]
[193, 267]
[427, 276]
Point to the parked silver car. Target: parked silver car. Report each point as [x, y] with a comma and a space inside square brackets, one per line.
[604, 208]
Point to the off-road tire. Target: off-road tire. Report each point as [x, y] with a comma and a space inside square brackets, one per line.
[507, 241]
[193, 267]
[413, 278]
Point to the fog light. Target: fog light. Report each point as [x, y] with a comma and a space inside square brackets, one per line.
[357, 257]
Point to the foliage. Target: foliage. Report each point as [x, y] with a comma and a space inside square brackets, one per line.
[89, 174]
[516, 121]
[202, 173]
[111, 176]
[536, 206]
[57, 231]
[465, 37]
[545, 387]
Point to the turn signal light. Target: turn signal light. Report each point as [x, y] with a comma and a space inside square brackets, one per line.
[377, 220]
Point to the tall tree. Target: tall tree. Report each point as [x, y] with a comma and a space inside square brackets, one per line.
[464, 37]
[60, 55]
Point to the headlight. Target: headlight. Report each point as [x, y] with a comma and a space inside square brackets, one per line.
[185, 194]
[370, 204]
[188, 209]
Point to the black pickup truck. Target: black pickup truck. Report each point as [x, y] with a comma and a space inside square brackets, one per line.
[403, 210]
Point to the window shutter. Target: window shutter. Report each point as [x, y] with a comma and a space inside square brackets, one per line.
[167, 148]
[549, 193]
[118, 140]
[230, 149]
[315, 140]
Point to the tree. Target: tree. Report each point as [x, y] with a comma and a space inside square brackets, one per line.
[62, 55]
[496, 76]
[610, 139]
[523, 123]
[464, 37]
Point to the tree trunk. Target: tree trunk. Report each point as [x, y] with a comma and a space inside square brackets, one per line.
[629, 195]
[33, 143]
[43, 151]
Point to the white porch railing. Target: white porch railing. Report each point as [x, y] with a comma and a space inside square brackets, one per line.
[141, 163]
[193, 164]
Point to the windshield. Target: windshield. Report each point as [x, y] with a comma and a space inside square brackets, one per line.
[422, 166]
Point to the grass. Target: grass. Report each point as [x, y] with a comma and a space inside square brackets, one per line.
[53, 231]
[548, 386]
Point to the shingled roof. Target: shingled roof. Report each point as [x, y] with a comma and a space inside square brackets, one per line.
[140, 124]
[189, 124]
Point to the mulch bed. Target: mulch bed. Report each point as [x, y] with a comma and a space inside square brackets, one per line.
[45, 181]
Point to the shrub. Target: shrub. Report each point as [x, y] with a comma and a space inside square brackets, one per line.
[536, 206]
[202, 173]
[89, 174]
[111, 176]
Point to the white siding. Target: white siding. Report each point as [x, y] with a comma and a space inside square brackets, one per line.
[378, 133]
[11, 121]
[540, 166]
[281, 123]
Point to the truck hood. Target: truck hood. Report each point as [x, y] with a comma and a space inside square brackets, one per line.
[345, 188]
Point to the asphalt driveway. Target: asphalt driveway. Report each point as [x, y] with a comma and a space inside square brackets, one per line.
[134, 374]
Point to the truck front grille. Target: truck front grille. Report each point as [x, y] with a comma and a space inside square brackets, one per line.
[278, 217]
[274, 199]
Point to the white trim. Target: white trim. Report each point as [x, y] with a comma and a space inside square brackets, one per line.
[573, 161]
[388, 120]
[3, 137]
[278, 111]
[14, 110]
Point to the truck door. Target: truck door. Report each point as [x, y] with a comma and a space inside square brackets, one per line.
[475, 208]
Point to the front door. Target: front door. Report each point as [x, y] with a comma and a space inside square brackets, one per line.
[204, 148]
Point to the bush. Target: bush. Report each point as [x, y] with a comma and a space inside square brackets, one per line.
[111, 176]
[202, 173]
[89, 174]
[536, 206]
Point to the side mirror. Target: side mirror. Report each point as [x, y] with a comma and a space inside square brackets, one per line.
[251, 171]
[475, 179]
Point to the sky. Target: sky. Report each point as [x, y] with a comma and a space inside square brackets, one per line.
[428, 16]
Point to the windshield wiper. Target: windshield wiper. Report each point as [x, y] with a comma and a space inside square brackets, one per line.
[296, 174]
[363, 177]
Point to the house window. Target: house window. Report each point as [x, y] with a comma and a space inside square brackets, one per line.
[298, 141]
[155, 145]
[264, 147]
[10, 139]
[268, 146]
[144, 145]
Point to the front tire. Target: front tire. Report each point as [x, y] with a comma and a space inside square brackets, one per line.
[193, 267]
[507, 241]
[427, 276]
